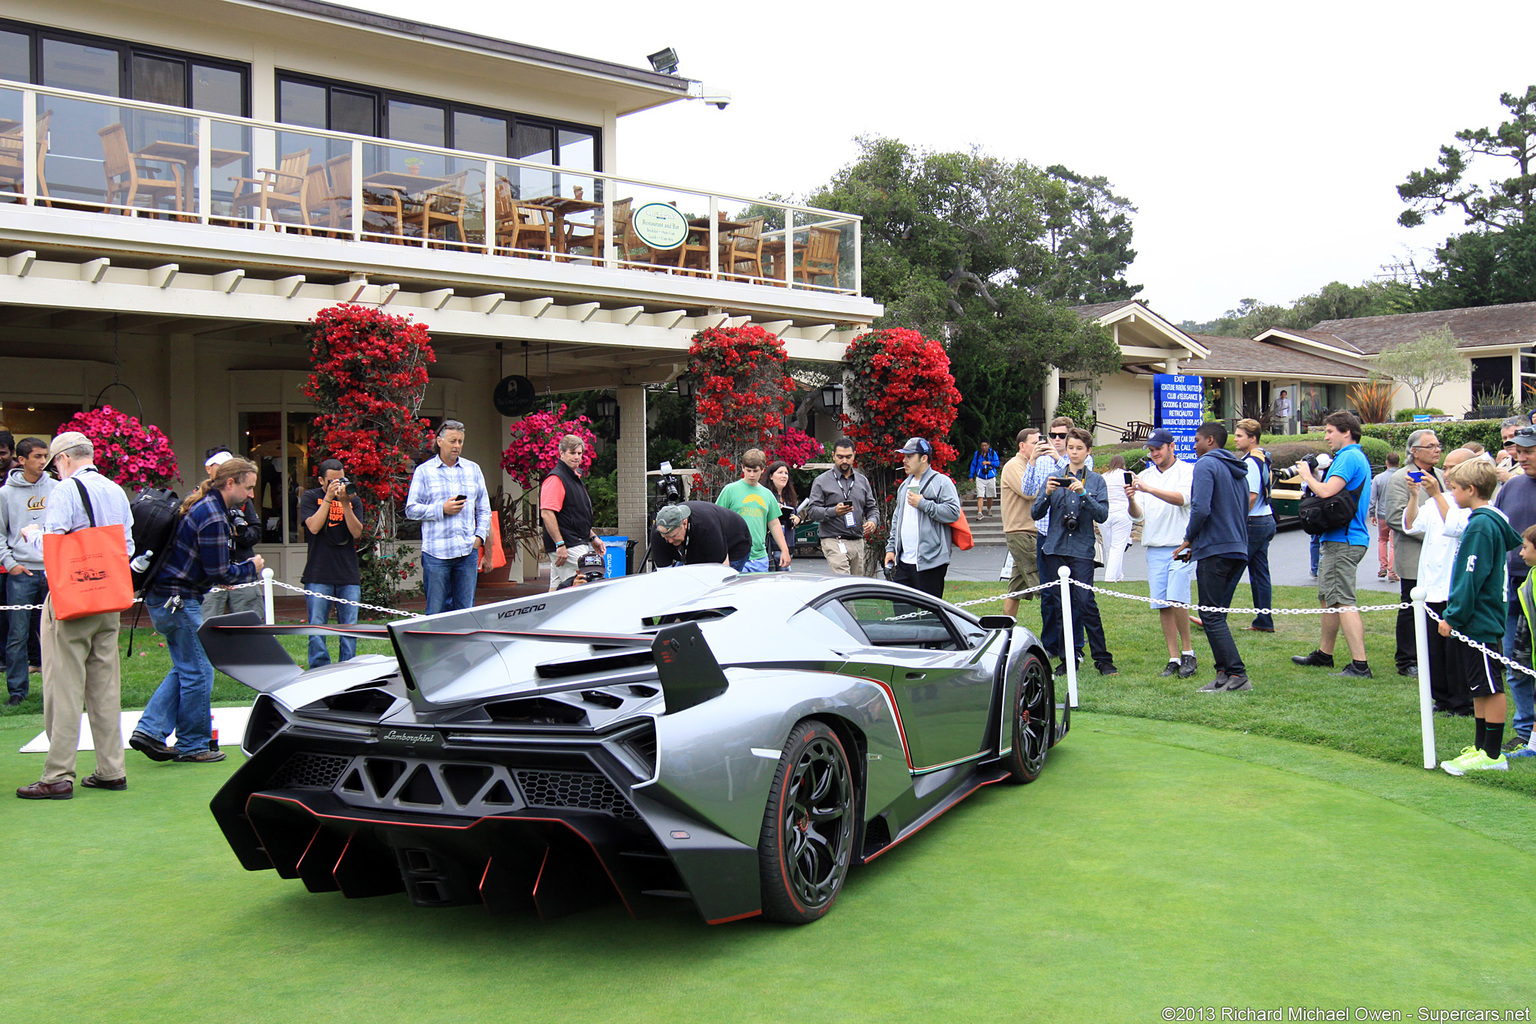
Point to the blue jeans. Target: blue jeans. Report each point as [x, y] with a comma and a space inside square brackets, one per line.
[1085, 609]
[320, 611]
[1317, 550]
[21, 589]
[1261, 530]
[184, 699]
[450, 582]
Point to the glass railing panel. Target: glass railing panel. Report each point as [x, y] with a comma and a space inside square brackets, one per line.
[270, 180]
[12, 146]
[825, 249]
[109, 156]
[671, 230]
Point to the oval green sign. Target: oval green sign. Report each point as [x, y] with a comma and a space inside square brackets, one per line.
[660, 225]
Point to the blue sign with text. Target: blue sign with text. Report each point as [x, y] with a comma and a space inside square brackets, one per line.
[1179, 407]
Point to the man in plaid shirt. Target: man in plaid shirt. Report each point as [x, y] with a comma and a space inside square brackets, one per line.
[448, 496]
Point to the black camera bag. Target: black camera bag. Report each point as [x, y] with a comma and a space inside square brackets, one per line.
[1320, 515]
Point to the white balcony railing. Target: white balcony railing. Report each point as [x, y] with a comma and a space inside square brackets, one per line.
[65, 149]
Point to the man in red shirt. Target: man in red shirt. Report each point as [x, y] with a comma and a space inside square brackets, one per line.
[566, 511]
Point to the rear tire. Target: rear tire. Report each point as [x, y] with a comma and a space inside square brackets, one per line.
[807, 838]
[1034, 725]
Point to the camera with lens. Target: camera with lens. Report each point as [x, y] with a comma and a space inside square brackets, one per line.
[590, 568]
[1317, 461]
[1071, 513]
[669, 486]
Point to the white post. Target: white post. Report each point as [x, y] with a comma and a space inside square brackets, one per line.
[266, 590]
[1426, 701]
[1065, 575]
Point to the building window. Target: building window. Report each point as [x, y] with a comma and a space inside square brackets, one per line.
[343, 107]
[1492, 376]
[278, 442]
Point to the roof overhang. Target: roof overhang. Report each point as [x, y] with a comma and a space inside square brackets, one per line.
[1142, 335]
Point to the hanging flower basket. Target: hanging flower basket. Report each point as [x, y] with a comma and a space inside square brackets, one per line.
[133, 454]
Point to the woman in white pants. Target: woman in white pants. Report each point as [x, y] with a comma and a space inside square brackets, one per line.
[1116, 530]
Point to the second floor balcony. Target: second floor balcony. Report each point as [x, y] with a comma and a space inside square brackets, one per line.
[176, 180]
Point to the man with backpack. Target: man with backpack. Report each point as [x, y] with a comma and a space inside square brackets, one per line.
[1424, 450]
[245, 521]
[199, 559]
[1348, 478]
[1261, 519]
[984, 467]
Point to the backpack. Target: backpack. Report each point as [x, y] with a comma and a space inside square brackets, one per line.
[1266, 477]
[156, 514]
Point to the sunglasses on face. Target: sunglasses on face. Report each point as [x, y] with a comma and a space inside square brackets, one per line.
[1059, 437]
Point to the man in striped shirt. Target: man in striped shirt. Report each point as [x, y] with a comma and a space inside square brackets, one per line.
[448, 496]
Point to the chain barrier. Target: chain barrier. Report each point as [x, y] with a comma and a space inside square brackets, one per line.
[332, 597]
[1496, 655]
[1399, 606]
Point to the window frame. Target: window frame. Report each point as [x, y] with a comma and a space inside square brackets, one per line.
[450, 107]
[126, 50]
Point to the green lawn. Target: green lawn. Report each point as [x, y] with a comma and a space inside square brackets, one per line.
[1378, 717]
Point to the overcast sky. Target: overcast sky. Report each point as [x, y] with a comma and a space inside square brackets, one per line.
[1262, 146]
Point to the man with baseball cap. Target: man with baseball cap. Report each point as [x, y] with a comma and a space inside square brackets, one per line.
[926, 503]
[700, 533]
[1167, 483]
[245, 527]
[80, 660]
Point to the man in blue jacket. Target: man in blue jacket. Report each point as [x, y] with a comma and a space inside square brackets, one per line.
[984, 467]
[1350, 471]
[1217, 537]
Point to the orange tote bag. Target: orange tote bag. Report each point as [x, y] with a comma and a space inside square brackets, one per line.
[960, 533]
[492, 555]
[88, 570]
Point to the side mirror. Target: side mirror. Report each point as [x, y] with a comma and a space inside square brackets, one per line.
[998, 622]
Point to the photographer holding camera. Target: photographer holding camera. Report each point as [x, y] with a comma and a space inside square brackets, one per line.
[1348, 472]
[333, 522]
[1075, 497]
[245, 525]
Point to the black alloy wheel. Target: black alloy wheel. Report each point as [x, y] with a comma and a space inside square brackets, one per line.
[1033, 725]
[807, 838]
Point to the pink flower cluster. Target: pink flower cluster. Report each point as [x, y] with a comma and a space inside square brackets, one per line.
[535, 446]
[133, 454]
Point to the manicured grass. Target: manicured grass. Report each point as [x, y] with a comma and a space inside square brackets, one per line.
[1378, 718]
[1152, 865]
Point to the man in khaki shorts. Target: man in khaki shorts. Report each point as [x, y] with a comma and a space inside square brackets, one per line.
[843, 505]
[1019, 481]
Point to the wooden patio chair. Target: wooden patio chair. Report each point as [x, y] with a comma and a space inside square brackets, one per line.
[819, 258]
[744, 248]
[277, 189]
[582, 236]
[11, 149]
[130, 176]
[521, 228]
[382, 212]
[443, 207]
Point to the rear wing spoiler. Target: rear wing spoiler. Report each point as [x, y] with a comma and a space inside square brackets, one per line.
[247, 650]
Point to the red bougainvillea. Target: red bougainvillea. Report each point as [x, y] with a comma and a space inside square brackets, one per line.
[794, 447]
[133, 454]
[370, 375]
[900, 387]
[535, 446]
[743, 397]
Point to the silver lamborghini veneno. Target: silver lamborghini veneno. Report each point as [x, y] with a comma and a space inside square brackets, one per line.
[733, 741]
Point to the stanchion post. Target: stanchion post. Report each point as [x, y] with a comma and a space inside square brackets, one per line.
[1069, 652]
[1426, 699]
[266, 591]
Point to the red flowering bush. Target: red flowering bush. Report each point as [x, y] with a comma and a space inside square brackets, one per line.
[135, 455]
[370, 376]
[743, 397]
[535, 446]
[900, 387]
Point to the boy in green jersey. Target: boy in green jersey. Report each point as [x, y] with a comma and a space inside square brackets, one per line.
[756, 504]
[1477, 609]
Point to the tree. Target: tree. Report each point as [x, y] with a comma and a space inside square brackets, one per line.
[742, 395]
[1500, 203]
[1495, 262]
[1425, 363]
[975, 249]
